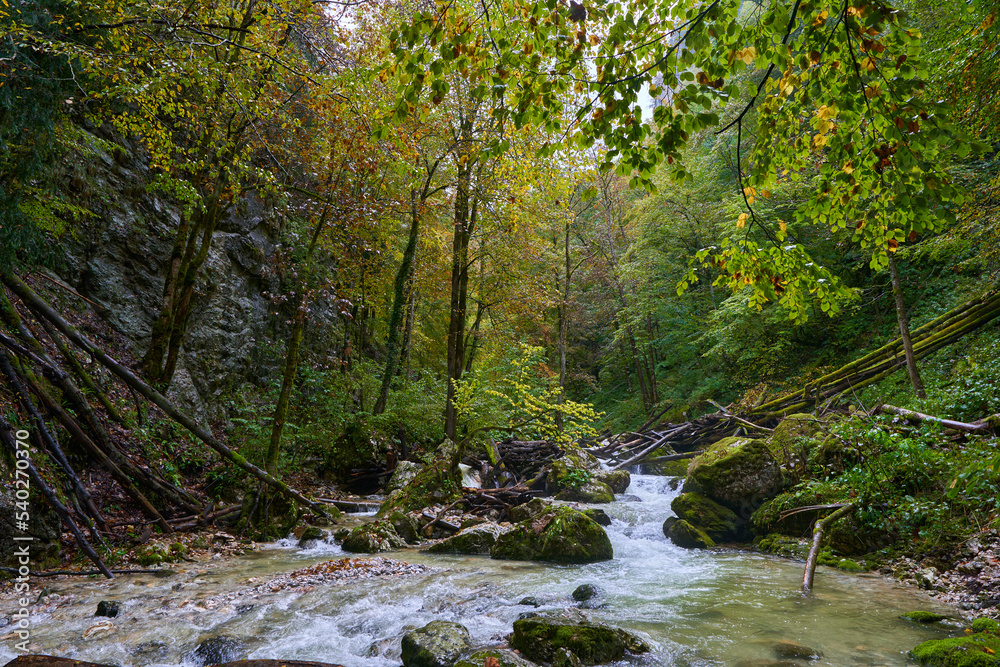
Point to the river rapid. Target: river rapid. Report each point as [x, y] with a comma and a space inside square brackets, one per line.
[696, 608]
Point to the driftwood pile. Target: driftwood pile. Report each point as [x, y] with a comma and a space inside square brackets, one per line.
[672, 442]
[518, 463]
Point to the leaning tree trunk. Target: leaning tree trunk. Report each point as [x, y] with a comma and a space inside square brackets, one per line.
[904, 330]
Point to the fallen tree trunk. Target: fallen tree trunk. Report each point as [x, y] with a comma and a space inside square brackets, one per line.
[40, 307]
[981, 426]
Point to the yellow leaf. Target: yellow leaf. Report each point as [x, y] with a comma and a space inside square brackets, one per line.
[782, 225]
[819, 140]
[747, 55]
[825, 112]
[848, 168]
[742, 221]
[766, 194]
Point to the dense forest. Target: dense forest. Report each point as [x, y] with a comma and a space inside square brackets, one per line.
[269, 244]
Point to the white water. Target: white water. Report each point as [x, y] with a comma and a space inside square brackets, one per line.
[696, 608]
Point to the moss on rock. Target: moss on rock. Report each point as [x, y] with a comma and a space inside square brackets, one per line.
[435, 483]
[976, 650]
[572, 470]
[739, 473]
[782, 545]
[437, 644]
[474, 540]
[617, 480]
[923, 616]
[501, 658]
[373, 538]
[986, 625]
[719, 522]
[559, 534]
[539, 638]
[594, 492]
[791, 438]
[683, 534]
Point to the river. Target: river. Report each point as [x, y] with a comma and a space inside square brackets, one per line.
[696, 608]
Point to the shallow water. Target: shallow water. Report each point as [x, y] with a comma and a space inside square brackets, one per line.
[696, 608]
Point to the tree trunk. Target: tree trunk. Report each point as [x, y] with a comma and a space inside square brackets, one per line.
[404, 277]
[464, 222]
[904, 330]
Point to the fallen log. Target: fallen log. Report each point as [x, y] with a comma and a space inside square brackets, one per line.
[981, 426]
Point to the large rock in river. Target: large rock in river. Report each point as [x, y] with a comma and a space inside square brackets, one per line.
[592, 491]
[739, 473]
[719, 522]
[437, 483]
[540, 637]
[437, 644]
[473, 540]
[559, 535]
[373, 538]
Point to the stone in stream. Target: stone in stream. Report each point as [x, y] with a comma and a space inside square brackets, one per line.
[683, 534]
[598, 515]
[592, 491]
[405, 527]
[590, 596]
[565, 658]
[530, 509]
[617, 480]
[979, 649]
[373, 538]
[923, 616]
[558, 535]
[739, 473]
[310, 536]
[789, 650]
[108, 608]
[500, 658]
[541, 637]
[475, 540]
[401, 476]
[437, 644]
[530, 601]
[719, 522]
[216, 650]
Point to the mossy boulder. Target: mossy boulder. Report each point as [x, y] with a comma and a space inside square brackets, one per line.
[719, 522]
[683, 534]
[598, 515]
[986, 625]
[373, 538]
[540, 637]
[572, 470]
[923, 616]
[474, 540]
[310, 535]
[979, 649]
[559, 535]
[403, 474]
[530, 509]
[500, 658]
[155, 553]
[593, 492]
[739, 473]
[437, 644]
[435, 483]
[782, 545]
[791, 438]
[617, 480]
[405, 526]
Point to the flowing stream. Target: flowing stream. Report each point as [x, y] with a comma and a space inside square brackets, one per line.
[695, 607]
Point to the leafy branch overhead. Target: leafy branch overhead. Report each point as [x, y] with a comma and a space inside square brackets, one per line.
[832, 93]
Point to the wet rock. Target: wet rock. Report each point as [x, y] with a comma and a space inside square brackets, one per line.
[437, 644]
[403, 474]
[373, 538]
[592, 491]
[310, 536]
[781, 545]
[683, 534]
[50, 661]
[541, 637]
[218, 649]
[569, 471]
[500, 658]
[559, 535]
[586, 592]
[563, 657]
[926, 578]
[530, 509]
[108, 608]
[617, 480]
[598, 515]
[667, 524]
[435, 483]
[739, 473]
[341, 534]
[149, 652]
[530, 601]
[475, 540]
[100, 630]
[405, 526]
[789, 650]
[719, 522]
[923, 616]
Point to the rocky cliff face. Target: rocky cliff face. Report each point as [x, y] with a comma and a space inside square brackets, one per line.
[118, 259]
